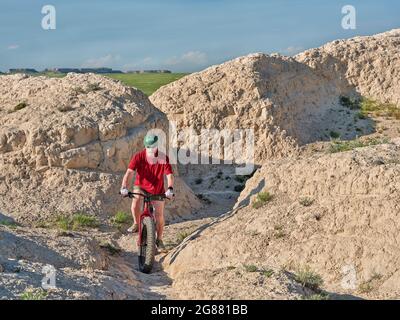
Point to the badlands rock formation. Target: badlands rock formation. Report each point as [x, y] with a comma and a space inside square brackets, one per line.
[370, 64]
[328, 212]
[336, 214]
[284, 101]
[64, 144]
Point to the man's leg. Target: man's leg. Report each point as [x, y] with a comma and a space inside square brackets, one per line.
[159, 209]
[136, 208]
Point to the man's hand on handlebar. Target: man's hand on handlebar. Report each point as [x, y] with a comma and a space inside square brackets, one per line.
[124, 192]
[170, 193]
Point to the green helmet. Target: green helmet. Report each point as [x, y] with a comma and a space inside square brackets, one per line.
[150, 141]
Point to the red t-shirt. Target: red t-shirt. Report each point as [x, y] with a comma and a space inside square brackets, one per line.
[150, 177]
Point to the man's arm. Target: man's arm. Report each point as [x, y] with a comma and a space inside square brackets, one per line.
[128, 177]
[170, 180]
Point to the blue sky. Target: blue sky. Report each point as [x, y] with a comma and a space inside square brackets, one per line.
[180, 35]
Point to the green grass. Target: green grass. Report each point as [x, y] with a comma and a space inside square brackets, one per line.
[9, 224]
[76, 222]
[250, 268]
[306, 201]
[370, 106]
[334, 134]
[121, 218]
[19, 106]
[309, 279]
[268, 273]
[182, 236]
[261, 200]
[147, 82]
[342, 146]
[33, 294]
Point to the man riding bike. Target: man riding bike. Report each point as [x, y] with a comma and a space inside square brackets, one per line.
[150, 166]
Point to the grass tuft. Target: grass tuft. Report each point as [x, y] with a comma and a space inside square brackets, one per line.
[261, 200]
[308, 279]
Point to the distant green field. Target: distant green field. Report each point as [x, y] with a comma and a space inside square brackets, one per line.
[147, 82]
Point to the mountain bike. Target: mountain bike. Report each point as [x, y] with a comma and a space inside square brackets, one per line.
[147, 231]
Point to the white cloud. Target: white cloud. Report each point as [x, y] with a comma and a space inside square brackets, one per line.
[191, 58]
[105, 61]
[13, 47]
[292, 50]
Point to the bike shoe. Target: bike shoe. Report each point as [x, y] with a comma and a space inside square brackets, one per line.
[133, 229]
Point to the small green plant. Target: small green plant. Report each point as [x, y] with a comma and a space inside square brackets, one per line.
[268, 273]
[182, 236]
[365, 287]
[65, 108]
[306, 201]
[342, 146]
[370, 106]
[121, 218]
[93, 87]
[350, 103]
[230, 268]
[261, 199]
[239, 188]
[309, 279]
[8, 223]
[33, 294]
[19, 106]
[334, 135]
[250, 268]
[279, 232]
[76, 222]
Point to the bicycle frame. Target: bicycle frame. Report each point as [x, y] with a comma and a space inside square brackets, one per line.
[147, 211]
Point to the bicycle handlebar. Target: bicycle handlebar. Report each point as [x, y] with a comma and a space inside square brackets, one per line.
[132, 194]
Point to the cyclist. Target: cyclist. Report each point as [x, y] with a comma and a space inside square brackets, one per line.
[151, 166]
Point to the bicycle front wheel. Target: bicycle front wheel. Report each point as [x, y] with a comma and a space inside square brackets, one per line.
[147, 247]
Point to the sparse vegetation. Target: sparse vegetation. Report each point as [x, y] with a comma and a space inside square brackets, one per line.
[306, 201]
[121, 218]
[369, 106]
[268, 273]
[334, 135]
[342, 146]
[262, 199]
[33, 294]
[369, 286]
[350, 103]
[19, 106]
[279, 232]
[65, 108]
[309, 279]
[7, 223]
[182, 236]
[239, 188]
[93, 87]
[250, 268]
[76, 222]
